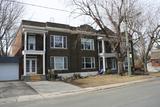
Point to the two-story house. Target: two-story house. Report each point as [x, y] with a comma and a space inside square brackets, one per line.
[50, 46]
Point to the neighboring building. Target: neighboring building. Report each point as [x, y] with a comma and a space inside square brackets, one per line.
[154, 64]
[51, 46]
[155, 58]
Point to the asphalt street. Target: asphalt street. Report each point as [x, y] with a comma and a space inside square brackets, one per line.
[146, 94]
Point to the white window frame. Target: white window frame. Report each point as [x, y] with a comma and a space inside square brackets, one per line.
[92, 62]
[55, 62]
[64, 46]
[90, 41]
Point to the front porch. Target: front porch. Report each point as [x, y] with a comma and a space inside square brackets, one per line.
[34, 54]
[107, 58]
[108, 64]
[34, 68]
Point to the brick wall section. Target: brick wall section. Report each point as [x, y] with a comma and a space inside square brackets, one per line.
[17, 44]
[73, 52]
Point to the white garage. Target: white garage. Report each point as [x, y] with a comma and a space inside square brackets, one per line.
[9, 68]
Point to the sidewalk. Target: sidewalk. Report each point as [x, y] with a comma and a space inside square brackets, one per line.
[44, 87]
[45, 95]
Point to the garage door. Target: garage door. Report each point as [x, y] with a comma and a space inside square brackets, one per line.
[9, 71]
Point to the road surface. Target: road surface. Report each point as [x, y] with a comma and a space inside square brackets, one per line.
[146, 94]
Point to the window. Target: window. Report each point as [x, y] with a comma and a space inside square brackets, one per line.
[59, 63]
[113, 64]
[57, 41]
[87, 44]
[108, 48]
[31, 43]
[100, 46]
[88, 62]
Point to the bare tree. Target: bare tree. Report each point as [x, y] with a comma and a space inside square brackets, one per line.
[146, 29]
[110, 14]
[10, 12]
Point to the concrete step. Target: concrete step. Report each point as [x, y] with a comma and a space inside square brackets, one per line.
[36, 77]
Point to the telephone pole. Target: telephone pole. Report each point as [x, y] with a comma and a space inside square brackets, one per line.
[127, 41]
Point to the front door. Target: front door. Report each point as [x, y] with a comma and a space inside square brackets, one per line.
[31, 66]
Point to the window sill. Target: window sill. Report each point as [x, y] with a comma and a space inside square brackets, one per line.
[87, 68]
[58, 48]
[60, 69]
[86, 50]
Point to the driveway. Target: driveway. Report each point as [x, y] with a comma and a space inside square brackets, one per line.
[15, 88]
[43, 87]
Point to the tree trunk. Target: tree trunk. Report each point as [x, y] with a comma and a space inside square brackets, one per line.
[120, 66]
[145, 64]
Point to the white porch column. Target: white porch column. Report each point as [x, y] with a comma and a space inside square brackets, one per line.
[24, 56]
[103, 51]
[44, 49]
[44, 42]
[43, 64]
[103, 47]
[24, 65]
[104, 64]
[25, 40]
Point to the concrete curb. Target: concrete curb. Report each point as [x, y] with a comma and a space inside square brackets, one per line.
[42, 96]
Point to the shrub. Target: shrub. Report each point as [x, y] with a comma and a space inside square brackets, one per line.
[108, 71]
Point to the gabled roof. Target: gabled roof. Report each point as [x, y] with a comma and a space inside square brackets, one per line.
[5, 59]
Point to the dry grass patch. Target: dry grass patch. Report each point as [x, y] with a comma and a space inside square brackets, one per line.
[105, 80]
[156, 74]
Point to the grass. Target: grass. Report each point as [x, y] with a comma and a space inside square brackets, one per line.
[100, 80]
[156, 74]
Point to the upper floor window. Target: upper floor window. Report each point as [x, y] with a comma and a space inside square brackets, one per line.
[31, 42]
[108, 48]
[100, 46]
[57, 41]
[87, 44]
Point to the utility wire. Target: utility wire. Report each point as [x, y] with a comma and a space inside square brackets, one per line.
[35, 5]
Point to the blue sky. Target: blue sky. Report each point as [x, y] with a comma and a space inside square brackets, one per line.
[44, 15]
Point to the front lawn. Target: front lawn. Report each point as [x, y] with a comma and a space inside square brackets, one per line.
[156, 74]
[100, 80]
